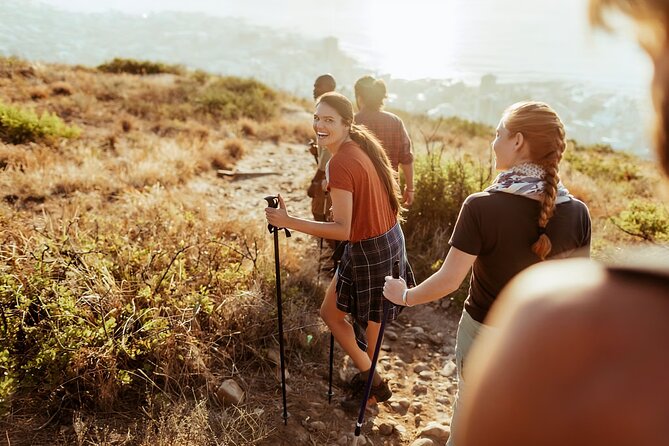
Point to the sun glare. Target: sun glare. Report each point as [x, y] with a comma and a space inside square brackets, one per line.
[411, 42]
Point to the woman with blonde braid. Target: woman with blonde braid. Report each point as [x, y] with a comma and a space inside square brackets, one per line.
[524, 217]
[580, 354]
[365, 210]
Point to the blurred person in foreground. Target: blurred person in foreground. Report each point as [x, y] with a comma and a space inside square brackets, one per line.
[387, 127]
[581, 352]
[524, 217]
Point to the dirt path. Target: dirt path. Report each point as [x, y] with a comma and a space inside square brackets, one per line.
[418, 350]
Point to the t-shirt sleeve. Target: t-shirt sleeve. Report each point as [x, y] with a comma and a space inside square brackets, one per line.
[467, 232]
[339, 176]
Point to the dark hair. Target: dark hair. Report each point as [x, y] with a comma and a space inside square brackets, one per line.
[544, 132]
[372, 91]
[369, 144]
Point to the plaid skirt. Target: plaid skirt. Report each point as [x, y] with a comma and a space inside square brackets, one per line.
[361, 275]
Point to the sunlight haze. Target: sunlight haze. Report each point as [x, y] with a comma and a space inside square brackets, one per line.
[460, 39]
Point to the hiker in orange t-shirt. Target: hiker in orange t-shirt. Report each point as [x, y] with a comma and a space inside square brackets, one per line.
[365, 209]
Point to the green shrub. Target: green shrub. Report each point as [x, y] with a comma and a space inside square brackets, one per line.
[141, 67]
[18, 126]
[232, 98]
[441, 187]
[644, 219]
[601, 162]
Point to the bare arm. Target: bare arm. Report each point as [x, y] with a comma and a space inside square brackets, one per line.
[438, 285]
[408, 194]
[338, 229]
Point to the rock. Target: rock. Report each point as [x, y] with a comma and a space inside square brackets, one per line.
[396, 407]
[417, 420]
[390, 335]
[317, 426]
[343, 440]
[435, 430]
[421, 367]
[448, 369]
[401, 430]
[443, 401]
[426, 375]
[416, 407]
[230, 393]
[419, 389]
[274, 356]
[386, 429]
[386, 347]
[423, 442]
[412, 331]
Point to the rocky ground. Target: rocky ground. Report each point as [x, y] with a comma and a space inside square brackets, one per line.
[418, 348]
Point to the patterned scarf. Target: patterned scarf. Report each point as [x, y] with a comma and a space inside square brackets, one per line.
[526, 180]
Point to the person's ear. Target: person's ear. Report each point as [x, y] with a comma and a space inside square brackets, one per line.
[518, 141]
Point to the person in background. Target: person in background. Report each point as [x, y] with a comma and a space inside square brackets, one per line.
[581, 350]
[320, 201]
[524, 217]
[388, 128]
[366, 212]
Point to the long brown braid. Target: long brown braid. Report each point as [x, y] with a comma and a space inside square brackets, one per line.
[544, 133]
[370, 145]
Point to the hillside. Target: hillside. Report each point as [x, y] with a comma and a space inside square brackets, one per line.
[134, 279]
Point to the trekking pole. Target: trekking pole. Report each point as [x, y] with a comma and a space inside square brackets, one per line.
[372, 369]
[330, 393]
[331, 365]
[273, 202]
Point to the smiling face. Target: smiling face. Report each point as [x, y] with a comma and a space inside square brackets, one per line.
[331, 131]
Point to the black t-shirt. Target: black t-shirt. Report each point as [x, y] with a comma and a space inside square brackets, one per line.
[500, 228]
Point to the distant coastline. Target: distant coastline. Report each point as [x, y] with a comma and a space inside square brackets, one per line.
[593, 113]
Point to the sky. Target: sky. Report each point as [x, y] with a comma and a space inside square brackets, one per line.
[463, 39]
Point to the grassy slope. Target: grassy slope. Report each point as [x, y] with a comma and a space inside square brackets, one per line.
[115, 275]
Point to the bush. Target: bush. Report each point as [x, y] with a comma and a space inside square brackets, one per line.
[441, 188]
[18, 126]
[601, 162]
[644, 219]
[231, 98]
[89, 320]
[140, 67]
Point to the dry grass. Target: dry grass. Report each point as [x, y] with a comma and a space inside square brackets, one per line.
[109, 226]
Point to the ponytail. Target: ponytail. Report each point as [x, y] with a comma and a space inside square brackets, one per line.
[372, 147]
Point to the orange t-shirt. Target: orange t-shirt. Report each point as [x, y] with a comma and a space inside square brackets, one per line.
[351, 169]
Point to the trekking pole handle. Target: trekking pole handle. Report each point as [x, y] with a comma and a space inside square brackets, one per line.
[396, 269]
[273, 202]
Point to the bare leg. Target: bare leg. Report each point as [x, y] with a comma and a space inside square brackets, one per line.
[373, 329]
[342, 330]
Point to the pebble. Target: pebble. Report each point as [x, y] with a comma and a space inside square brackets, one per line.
[230, 393]
[390, 335]
[435, 430]
[448, 369]
[421, 367]
[421, 442]
[386, 429]
[317, 426]
[426, 375]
